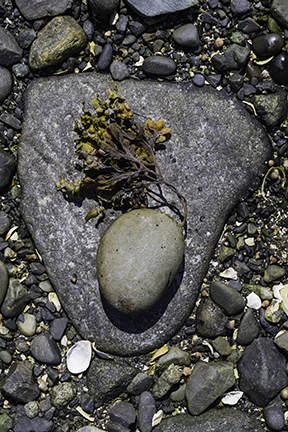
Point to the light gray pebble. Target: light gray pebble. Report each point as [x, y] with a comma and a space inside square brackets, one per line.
[45, 350]
[159, 65]
[5, 356]
[20, 70]
[46, 286]
[27, 324]
[146, 411]
[119, 71]
[31, 409]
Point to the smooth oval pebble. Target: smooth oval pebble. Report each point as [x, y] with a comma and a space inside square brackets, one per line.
[138, 257]
[267, 45]
[79, 357]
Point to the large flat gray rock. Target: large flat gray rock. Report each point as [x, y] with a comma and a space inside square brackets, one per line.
[215, 156]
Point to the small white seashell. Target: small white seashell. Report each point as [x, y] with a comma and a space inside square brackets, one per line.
[254, 301]
[250, 241]
[229, 273]
[232, 398]
[53, 298]
[157, 418]
[79, 357]
[276, 291]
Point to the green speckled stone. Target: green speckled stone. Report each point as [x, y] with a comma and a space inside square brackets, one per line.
[138, 257]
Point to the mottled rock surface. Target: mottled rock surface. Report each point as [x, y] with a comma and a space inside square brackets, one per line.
[215, 156]
[150, 8]
[35, 9]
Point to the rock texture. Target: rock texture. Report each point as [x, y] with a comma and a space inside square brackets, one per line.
[215, 156]
[36, 9]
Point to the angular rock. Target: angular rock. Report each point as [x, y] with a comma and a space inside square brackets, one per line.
[153, 246]
[176, 356]
[4, 279]
[206, 383]
[271, 108]
[222, 346]
[211, 321]
[234, 58]
[273, 272]
[107, 379]
[274, 415]
[5, 223]
[151, 8]
[187, 36]
[26, 37]
[102, 7]
[249, 328]
[7, 166]
[15, 300]
[10, 120]
[221, 419]
[35, 9]
[140, 383]
[6, 83]
[229, 168]
[146, 411]
[165, 382]
[20, 384]
[227, 297]
[10, 52]
[159, 65]
[62, 394]
[61, 38]
[282, 342]
[262, 371]
[279, 12]
[6, 423]
[22, 423]
[45, 350]
[123, 413]
[58, 327]
[119, 71]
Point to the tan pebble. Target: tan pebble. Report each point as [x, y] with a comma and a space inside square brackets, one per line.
[265, 303]
[284, 393]
[230, 324]
[204, 293]
[275, 174]
[271, 162]
[273, 260]
[124, 52]
[186, 371]
[219, 42]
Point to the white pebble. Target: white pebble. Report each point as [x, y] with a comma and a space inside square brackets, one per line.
[79, 357]
[254, 301]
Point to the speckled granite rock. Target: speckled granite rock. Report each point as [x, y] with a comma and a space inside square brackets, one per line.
[215, 156]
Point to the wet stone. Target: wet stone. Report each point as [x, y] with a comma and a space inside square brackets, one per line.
[107, 379]
[249, 328]
[206, 383]
[7, 166]
[274, 415]
[211, 321]
[227, 298]
[222, 346]
[255, 366]
[10, 52]
[152, 8]
[15, 300]
[187, 36]
[223, 419]
[248, 26]
[20, 384]
[45, 350]
[35, 9]
[279, 68]
[140, 383]
[267, 45]
[153, 246]
[62, 394]
[159, 65]
[6, 83]
[26, 37]
[146, 411]
[27, 324]
[61, 38]
[123, 413]
[282, 342]
[279, 12]
[271, 108]
[57, 101]
[105, 58]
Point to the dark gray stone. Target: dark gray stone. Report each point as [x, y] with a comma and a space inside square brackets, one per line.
[105, 57]
[221, 419]
[20, 384]
[4, 279]
[116, 427]
[107, 379]
[22, 423]
[45, 350]
[20, 70]
[122, 23]
[6, 83]
[5, 221]
[274, 415]
[88, 28]
[279, 68]
[240, 7]
[119, 71]
[227, 298]
[211, 321]
[159, 65]
[262, 371]
[248, 26]
[234, 58]
[150, 8]
[102, 7]
[140, 383]
[268, 45]
[213, 171]
[10, 52]
[206, 383]
[198, 80]
[58, 327]
[146, 411]
[123, 413]
[249, 328]
[271, 108]
[10, 120]
[279, 12]
[187, 36]
[35, 9]
[26, 37]
[15, 300]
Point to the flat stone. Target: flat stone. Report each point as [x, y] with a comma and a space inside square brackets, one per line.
[123, 413]
[35, 9]
[274, 415]
[166, 381]
[234, 58]
[176, 356]
[10, 52]
[273, 272]
[249, 328]
[279, 12]
[262, 371]
[219, 419]
[227, 165]
[45, 350]
[146, 411]
[61, 38]
[6, 83]
[20, 383]
[119, 71]
[227, 298]
[27, 324]
[140, 383]
[153, 246]
[206, 383]
[150, 8]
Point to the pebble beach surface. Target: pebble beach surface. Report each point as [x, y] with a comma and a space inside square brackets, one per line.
[226, 366]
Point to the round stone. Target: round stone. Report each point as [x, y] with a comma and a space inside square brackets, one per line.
[159, 65]
[138, 257]
[268, 45]
[279, 68]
